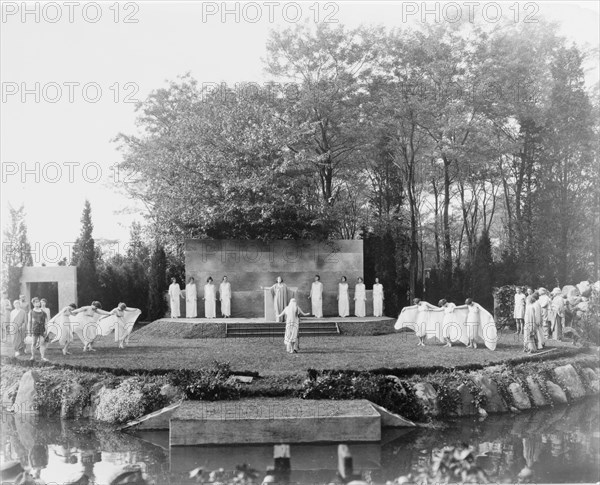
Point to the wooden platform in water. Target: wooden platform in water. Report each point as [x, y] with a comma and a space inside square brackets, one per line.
[274, 421]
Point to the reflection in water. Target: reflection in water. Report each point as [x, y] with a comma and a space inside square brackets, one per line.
[555, 446]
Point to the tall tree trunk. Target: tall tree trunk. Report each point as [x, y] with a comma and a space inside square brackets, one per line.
[446, 222]
[436, 222]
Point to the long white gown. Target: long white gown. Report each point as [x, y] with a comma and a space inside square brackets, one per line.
[292, 327]
[316, 299]
[343, 301]
[425, 319]
[121, 321]
[473, 321]
[360, 298]
[377, 300]
[60, 326]
[210, 298]
[225, 295]
[174, 295]
[539, 329]
[85, 325]
[451, 327]
[191, 301]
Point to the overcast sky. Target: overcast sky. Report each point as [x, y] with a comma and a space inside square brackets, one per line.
[92, 60]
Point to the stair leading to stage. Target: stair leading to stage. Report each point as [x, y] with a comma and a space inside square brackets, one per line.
[273, 329]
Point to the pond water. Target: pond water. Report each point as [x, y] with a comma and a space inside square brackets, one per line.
[560, 445]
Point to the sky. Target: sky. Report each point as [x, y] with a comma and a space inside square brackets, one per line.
[71, 73]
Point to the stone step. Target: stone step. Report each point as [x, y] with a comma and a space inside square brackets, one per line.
[280, 330]
[307, 329]
[280, 326]
[280, 334]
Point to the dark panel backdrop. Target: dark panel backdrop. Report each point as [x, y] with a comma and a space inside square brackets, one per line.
[250, 265]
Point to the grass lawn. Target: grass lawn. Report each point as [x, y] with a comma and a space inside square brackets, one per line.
[268, 357]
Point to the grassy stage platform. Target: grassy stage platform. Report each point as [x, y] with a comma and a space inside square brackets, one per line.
[150, 349]
[201, 328]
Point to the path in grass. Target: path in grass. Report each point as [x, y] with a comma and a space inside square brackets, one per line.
[268, 357]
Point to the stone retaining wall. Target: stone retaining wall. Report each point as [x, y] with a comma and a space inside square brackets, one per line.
[495, 389]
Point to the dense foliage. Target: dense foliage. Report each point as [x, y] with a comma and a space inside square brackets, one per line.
[464, 154]
[449, 149]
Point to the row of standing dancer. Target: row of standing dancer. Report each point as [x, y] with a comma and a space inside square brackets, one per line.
[281, 296]
[87, 322]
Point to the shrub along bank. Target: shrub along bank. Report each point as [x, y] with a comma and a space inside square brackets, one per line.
[107, 397]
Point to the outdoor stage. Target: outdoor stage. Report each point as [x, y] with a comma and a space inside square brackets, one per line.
[258, 327]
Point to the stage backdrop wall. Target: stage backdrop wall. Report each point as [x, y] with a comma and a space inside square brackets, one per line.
[250, 265]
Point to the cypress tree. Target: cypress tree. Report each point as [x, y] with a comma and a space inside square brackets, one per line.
[84, 257]
[17, 252]
[157, 305]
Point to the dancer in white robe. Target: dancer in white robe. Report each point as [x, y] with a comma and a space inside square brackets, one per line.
[121, 320]
[60, 326]
[452, 330]
[479, 323]
[360, 298]
[225, 297]
[210, 299]
[529, 331]
[539, 321]
[557, 313]
[473, 322]
[377, 298]
[423, 324]
[420, 318]
[343, 299]
[279, 291]
[191, 299]
[544, 301]
[292, 314]
[6, 310]
[316, 297]
[85, 324]
[18, 327]
[519, 311]
[174, 296]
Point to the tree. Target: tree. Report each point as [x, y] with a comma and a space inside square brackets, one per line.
[124, 278]
[481, 272]
[17, 252]
[217, 164]
[157, 278]
[137, 250]
[568, 176]
[84, 257]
